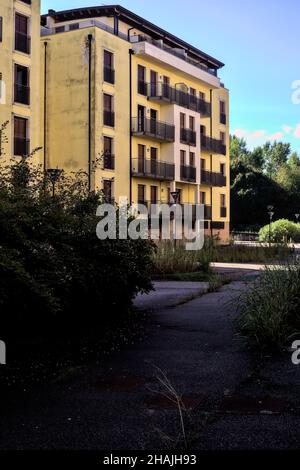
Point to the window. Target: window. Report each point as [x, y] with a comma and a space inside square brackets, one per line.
[222, 112]
[182, 157]
[21, 141]
[1, 28]
[141, 158]
[142, 86]
[141, 193]
[223, 169]
[193, 97]
[108, 113]
[22, 39]
[153, 191]
[73, 26]
[153, 83]
[202, 197]
[166, 87]
[203, 130]
[223, 200]
[109, 159]
[223, 138]
[108, 191]
[22, 90]
[202, 95]
[192, 159]
[203, 163]
[108, 71]
[141, 118]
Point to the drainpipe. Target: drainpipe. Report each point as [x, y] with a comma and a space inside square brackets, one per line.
[211, 135]
[45, 108]
[128, 33]
[90, 37]
[130, 120]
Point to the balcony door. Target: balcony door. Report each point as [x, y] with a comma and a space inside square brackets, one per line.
[153, 194]
[153, 121]
[141, 158]
[153, 161]
[108, 151]
[166, 87]
[141, 118]
[108, 191]
[22, 42]
[153, 83]
[141, 194]
[21, 84]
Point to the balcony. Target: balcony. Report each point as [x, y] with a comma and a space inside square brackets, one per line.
[22, 94]
[223, 118]
[109, 161]
[207, 212]
[212, 145]
[148, 168]
[22, 43]
[108, 118]
[21, 146]
[109, 75]
[188, 136]
[223, 211]
[213, 179]
[164, 93]
[154, 129]
[188, 173]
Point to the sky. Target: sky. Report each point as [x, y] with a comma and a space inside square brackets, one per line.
[259, 42]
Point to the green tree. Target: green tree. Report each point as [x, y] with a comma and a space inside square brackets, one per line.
[275, 155]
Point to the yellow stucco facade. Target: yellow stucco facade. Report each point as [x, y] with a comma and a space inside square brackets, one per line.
[141, 113]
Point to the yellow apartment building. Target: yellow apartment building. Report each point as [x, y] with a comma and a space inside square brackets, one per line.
[139, 111]
[19, 76]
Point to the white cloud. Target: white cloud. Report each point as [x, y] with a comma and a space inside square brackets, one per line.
[240, 133]
[258, 134]
[276, 136]
[287, 129]
[297, 132]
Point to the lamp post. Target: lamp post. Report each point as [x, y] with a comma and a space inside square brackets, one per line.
[54, 174]
[297, 217]
[175, 196]
[271, 215]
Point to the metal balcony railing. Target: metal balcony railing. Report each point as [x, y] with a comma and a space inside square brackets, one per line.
[188, 136]
[188, 173]
[22, 94]
[223, 211]
[109, 161]
[22, 43]
[166, 93]
[152, 128]
[212, 145]
[109, 75]
[212, 178]
[21, 146]
[153, 169]
[108, 118]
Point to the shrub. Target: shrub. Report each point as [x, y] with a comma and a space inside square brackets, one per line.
[281, 231]
[55, 273]
[270, 313]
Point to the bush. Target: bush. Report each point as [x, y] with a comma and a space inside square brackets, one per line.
[270, 309]
[55, 273]
[281, 231]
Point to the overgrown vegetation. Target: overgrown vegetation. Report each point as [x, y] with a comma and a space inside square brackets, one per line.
[270, 309]
[56, 275]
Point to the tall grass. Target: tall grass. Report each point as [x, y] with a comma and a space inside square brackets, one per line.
[169, 258]
[270, 310]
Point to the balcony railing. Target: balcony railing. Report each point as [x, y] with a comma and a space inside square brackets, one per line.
[166, 93]
[21, 146]
[188, 173]
[213, 179]
[223, 211]
[109, 161]
[109, 75]
[108, 118]
[153, 169]
[22, 94]
[180, 54]
[152, 128]
[212, 145]
[22, 43]
[188, 136]
[207, 212]
[223, 118]
[142, 88]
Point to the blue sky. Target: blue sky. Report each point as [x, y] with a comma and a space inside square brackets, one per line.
[259, 41]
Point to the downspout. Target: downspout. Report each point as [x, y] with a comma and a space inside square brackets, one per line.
[211, 136]
[45, 108]
[130, 120]
[90, 37]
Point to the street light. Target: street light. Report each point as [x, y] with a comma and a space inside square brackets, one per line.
[297, 217]
[271, 215]
[175, 196]
[54, 174]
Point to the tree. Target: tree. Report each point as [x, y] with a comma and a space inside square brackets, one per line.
[238, 150]
[294, 160]
[275, 155]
